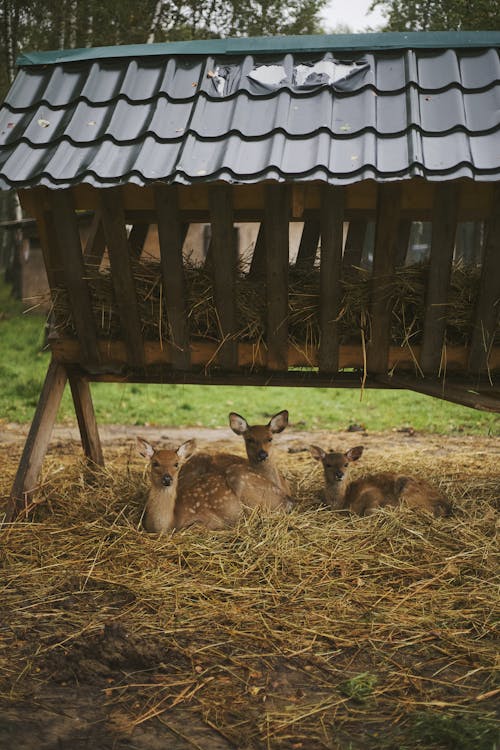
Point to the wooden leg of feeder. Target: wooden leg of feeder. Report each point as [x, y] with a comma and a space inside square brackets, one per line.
[38, 439]
[84, 408]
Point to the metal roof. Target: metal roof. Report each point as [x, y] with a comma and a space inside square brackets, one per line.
[337, 108]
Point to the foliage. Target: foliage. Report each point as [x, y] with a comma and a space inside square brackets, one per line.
[439, 15]
[454, 731]
[360, 687]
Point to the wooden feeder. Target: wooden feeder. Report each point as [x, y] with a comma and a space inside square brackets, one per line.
[126, 204]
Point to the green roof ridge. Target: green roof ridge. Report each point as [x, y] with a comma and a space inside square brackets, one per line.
[273, 44]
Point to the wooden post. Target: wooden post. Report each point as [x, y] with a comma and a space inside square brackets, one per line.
[38, 439]
[444, 227]
[258, 264]
[277, 213]
[354, 243]
[85, 415]
[113, 219]
[402, 242]
[96, 243]
[386, 233]
[137, 238]
[224, 257]
[488, 306]
[308, 245]
[330, 296]
[171, 233]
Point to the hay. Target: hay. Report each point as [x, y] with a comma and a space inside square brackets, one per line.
[303, 631]
[405, 292]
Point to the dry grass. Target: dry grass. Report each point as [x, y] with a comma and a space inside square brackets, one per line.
[312, 630]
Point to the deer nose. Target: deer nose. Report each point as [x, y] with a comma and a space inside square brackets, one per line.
[262, 455]
[166, 480]
[339, 475]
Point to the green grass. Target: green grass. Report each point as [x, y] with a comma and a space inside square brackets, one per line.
[23, 366]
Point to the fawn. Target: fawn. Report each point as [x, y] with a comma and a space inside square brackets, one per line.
[365, 495]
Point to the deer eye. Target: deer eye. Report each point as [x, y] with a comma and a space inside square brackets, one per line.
[176, 465]
[155, 464]
[251, 441]
[270, 440]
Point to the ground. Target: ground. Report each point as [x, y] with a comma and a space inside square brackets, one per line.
[303, 632]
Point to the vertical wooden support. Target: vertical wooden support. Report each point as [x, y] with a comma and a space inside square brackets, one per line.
[402, 242]
[444, 226]
[113, 219]
[137, 238]
[258, 264]
[85, 415]
[386, 235]
[488, 306]
[308, 245]
[277, 214]
[330, 296]
[70, 251]
[171, 233]
[96, 243]
[38, 439]
[354, 243]
[224, 256]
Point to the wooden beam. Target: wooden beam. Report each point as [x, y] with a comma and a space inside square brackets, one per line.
[308, 247]
[113, 219]
[444, 227]
[354, 243]
[224, 259]
[330, 292]
[171, 233]
[386, 234]
[38, 440]
[276, 227]
[403, 241]
[258, 264]
[70, 252]
[96, 244]
[84, 409]
[462, 393]
[137, 238]
[488, 306]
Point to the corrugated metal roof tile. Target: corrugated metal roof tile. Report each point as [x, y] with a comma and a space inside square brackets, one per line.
[383, 114]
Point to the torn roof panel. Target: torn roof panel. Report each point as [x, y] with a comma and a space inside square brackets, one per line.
[336, 113]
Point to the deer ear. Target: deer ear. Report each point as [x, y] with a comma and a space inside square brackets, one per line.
[145, 449]
[317, 452]
[238, 424]
[279, 421]
[186, 449]
[354, 453]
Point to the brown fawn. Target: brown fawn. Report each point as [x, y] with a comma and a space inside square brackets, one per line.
[365, 495]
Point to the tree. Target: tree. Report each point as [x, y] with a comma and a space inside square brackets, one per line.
[439, 15]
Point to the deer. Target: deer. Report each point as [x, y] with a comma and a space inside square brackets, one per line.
[214, 491]
[366, 495]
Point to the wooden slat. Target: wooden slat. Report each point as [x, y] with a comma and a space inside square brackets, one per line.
[85, 415]
[462, 394]
[332, 229]
[137, 238]
[444, 226]
[70, 251]
[171, 233]
[488, 307]
[354, 243]
[224, 257]
[386, 234]
[277, 212]
[402, 242]
[308, 245]
[113, 219]
[96, 243]
[38, 439]
[258, 264]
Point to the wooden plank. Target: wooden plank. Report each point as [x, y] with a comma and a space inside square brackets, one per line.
[403, 241]
[330, 288]
[96, 244]
[258, 264]
[488, 308]
[463, 393]
[172, 233]
[386, 233]
[85, 415]
[79, 298]
[309, 242]
[354, 244]
[444, 226]
[224, 258]
[113, 219]
[137, 238]
[38, 440]
[277, 212]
